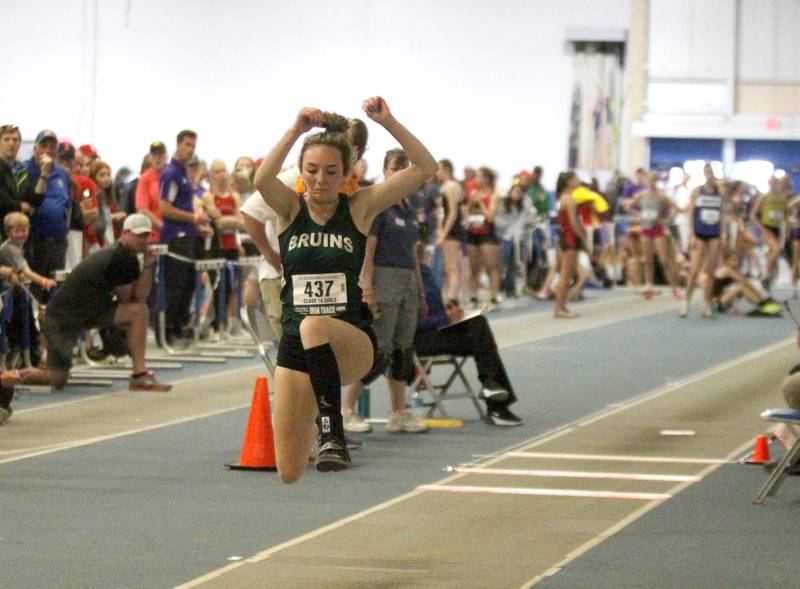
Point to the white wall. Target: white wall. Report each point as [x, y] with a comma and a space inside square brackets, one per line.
[723, 68]
[480, 82]
[769, 48]
[691, 56]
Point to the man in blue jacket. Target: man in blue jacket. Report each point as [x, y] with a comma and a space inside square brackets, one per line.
[50, 221]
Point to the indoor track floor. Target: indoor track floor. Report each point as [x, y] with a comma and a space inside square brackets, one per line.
[625, 474]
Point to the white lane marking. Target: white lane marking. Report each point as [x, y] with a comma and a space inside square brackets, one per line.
[623, 523]
[533, 442]
[87, 441]
[576, 474]
[616, 458]
[31, 449]
[60, 404]
[544, 492]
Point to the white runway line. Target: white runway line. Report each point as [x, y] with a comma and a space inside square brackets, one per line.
[95, 440]
[573, 474]
[620, 525]
[544, 492]
[127, 392]
[616, 458]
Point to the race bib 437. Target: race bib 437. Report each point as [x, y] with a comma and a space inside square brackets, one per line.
[319, 294]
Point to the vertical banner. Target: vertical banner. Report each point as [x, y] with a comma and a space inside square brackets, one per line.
[596, 113]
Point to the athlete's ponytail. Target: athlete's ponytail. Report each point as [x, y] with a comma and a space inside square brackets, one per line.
[347, 136]
[334, 123]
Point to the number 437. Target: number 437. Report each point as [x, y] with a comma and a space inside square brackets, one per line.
[318, 288]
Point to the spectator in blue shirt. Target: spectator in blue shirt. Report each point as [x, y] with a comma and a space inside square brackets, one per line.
[391, 286]
[183, 231]
[50, 221]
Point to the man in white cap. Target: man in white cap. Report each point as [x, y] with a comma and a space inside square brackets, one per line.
[109, 287]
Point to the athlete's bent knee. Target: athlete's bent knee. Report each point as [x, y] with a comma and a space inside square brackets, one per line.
[312, 327]
[291, 477]
[290, 474]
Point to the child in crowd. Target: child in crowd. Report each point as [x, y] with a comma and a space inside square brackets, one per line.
[17, 227]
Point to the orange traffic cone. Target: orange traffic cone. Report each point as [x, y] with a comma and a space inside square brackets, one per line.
[760, 452]
[258, 447]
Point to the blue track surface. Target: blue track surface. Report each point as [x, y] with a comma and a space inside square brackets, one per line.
[158, 508]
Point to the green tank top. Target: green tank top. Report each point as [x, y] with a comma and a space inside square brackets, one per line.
[321, 267]
[773, 210]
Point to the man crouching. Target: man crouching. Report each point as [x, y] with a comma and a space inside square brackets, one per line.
[107, 288]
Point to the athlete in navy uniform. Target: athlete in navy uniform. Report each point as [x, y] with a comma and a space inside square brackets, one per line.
[327, 339]
[705, 218]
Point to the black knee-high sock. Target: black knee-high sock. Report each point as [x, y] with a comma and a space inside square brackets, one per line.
[327, 384]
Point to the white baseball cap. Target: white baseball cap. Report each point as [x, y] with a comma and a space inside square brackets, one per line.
[137, 224]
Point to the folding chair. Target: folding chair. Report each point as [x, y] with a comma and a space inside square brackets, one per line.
[790, 418]
[442, 392]
[264, 337]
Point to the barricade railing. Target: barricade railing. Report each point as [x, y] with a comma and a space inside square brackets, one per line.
[208, 352]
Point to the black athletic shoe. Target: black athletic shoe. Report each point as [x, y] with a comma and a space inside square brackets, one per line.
[332, 454]
[503, 417]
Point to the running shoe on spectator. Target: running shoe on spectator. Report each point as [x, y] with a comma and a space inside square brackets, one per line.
[405, 421]
[354, 422]
[147, 382]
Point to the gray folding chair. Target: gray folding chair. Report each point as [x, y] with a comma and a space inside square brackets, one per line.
[264, 337]
[790, 418]
[453, 366]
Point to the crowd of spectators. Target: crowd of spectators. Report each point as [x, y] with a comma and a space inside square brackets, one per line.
[483, 243]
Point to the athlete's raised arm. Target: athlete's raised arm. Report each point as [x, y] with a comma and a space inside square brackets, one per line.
[281, 198]
[367, 203]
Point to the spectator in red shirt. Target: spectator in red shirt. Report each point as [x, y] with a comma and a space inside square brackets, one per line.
[148, 196]
[83, 191]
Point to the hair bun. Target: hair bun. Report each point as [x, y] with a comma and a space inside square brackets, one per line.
[334, 122]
